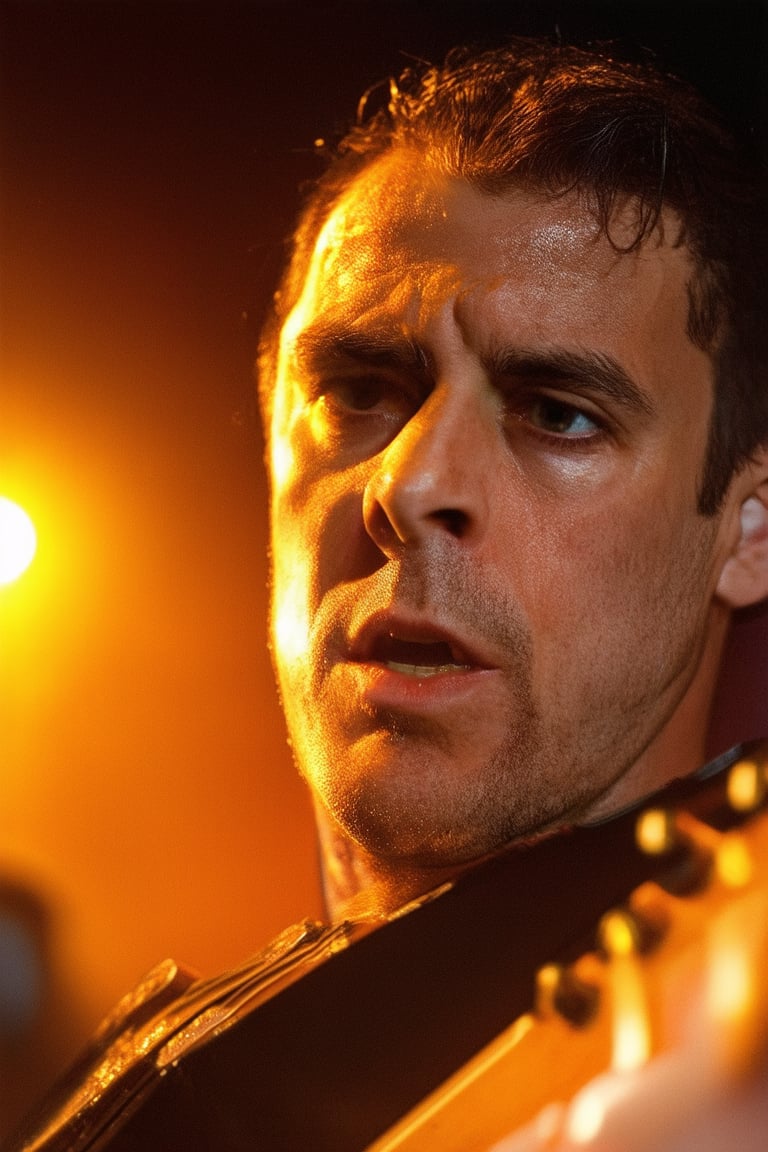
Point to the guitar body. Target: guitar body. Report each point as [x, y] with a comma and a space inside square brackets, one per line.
[326, 1041]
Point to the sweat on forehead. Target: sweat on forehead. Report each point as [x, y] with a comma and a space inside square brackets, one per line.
[413, 188]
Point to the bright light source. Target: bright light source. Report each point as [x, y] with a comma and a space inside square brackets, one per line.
[18, 540]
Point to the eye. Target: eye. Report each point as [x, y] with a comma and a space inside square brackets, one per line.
[359, 411]
[559, 418]
[369, 396]
[354, 394]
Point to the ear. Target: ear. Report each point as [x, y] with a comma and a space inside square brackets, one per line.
[744, 576]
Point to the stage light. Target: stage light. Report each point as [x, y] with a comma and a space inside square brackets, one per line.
[18, 540]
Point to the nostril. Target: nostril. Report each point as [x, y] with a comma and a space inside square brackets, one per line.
[453, 519]
[381, 527]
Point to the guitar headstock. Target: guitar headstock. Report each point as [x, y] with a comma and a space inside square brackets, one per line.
[659, 1033]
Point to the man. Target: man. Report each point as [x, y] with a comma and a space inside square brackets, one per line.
[518, 445]
[518, 441]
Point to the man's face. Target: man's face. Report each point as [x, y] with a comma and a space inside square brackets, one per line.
[491, 582]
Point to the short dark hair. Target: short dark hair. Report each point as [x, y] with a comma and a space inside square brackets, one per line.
[558, 118]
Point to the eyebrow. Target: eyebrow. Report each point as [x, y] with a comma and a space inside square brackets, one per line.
[323, 344]
[595, 371]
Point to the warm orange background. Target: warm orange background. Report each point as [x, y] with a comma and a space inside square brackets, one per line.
[147, 792]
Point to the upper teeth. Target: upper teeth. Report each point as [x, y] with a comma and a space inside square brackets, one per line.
[422, 670]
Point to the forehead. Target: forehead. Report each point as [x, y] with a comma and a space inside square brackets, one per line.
[405, 244]
[401, 207]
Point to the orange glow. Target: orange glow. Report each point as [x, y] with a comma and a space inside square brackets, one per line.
[291, 621]
[631, 1029]
[282, 460]
[144, 759]
[655, 831]
[733, 862]
[731, 980]
[631, 1036]
[589, 1109]
[735, 977]
[746, 786]
[18, 541]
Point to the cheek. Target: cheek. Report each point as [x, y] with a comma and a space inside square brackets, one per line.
[319, 543]
[291, 609]
[616, 576]
[292, 533]
[318, 530]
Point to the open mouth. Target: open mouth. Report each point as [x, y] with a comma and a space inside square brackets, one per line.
[418, 658]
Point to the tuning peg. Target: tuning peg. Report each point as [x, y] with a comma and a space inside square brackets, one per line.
[747, 784]
[685, 845]
[559, 990]
[630, 931]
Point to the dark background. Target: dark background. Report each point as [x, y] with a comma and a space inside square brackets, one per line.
[151, 155]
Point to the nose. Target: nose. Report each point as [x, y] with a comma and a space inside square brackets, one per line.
[431, 481]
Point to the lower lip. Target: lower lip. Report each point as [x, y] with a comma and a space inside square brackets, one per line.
[385, 687]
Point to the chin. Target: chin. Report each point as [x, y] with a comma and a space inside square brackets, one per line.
[428, 804]
[403, 829]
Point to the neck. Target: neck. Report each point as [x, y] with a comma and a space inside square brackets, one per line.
[359, 886]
